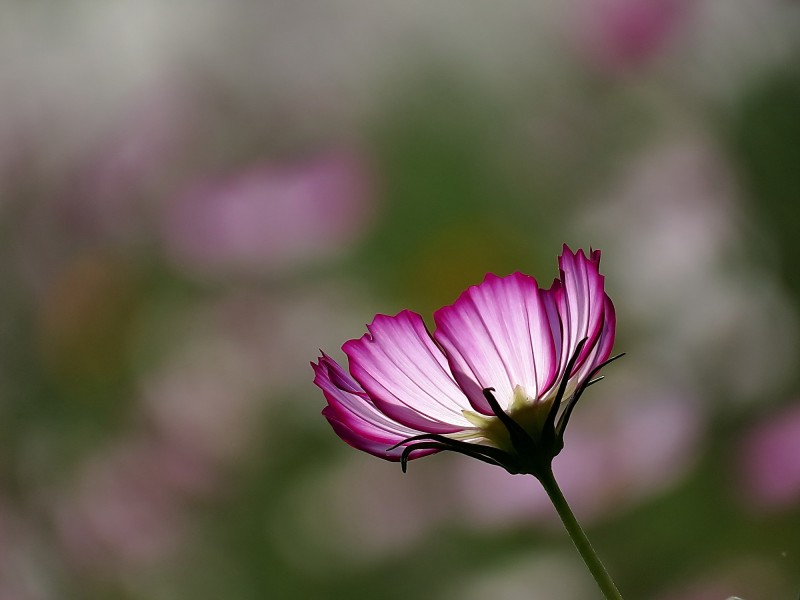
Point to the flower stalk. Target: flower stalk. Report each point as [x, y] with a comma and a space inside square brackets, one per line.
[578, 537]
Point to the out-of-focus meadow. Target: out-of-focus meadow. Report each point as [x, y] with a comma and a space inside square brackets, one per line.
[196, 197]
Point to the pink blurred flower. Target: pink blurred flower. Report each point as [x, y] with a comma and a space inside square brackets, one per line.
[207, 410]
[270, 217]
[126, 507]
[410, 395]
[770, 461]
[618, 35]
[232, 357]
[125, 172]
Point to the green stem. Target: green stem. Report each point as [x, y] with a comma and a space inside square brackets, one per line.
[579, 538]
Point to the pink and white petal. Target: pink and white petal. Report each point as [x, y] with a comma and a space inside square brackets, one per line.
[581, 305]
[406, 375]
[354, 407]
[355, 419]
[498, 334]
[601, 350]
[551, 299]
[338, 376]
[377, 446]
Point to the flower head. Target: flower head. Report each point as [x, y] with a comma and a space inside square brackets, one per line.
[496, 381]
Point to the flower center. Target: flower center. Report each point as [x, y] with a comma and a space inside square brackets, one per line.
[529, 413]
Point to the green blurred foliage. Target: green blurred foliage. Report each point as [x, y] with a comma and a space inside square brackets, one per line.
[765, 131]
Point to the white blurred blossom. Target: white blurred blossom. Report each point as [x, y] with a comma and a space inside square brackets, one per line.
[682, 277]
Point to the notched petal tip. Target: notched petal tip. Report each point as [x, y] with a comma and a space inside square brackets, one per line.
[381, 319]
[320, 371]
[555, 286]
[568, 256]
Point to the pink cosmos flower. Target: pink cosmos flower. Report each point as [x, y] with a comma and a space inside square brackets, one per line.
[505, 361]
[125, 510]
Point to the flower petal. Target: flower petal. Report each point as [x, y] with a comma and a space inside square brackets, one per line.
[376, 447]
[338, 376]
[605, 342]
[499, 334]
[581, 304]
[353, 416]
[406, 374]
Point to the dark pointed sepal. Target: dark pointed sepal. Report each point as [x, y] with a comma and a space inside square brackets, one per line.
[434, 441]
[529, 455]
[522, 442]
[549, 434]
[573, 400]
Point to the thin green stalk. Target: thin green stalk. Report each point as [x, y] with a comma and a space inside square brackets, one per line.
[579, 538]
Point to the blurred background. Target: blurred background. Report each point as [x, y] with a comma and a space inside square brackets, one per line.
[197, 197]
